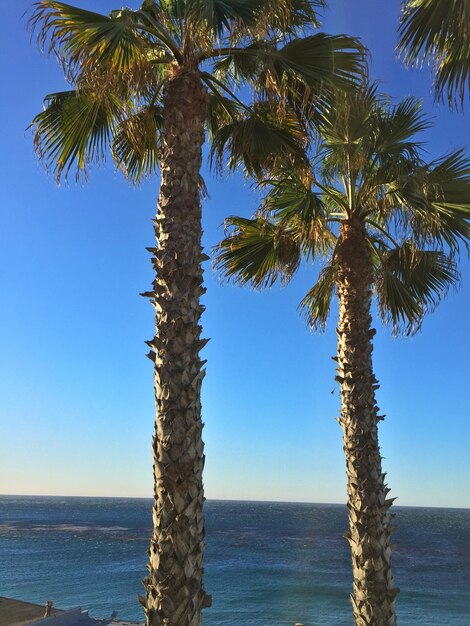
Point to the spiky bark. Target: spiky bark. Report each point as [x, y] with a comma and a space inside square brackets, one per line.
[369, 516]
[174, 590]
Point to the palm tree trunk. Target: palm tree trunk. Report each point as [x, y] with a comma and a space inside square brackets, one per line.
[174, 590]
[369, 516]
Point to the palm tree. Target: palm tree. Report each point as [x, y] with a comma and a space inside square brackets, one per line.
[388, 224]
[150, 82]
[439, 31]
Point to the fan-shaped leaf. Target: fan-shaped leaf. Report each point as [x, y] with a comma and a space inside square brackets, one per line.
[86, 40]
[256, 142]
[295, 205]
[410, 282]
[316, 304]
[257, 252]
[439, 31]
[74, 128]
[321, 62]
[135, 145]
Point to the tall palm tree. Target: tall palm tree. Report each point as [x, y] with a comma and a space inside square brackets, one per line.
[385, 223]
[151, 82]
[439, 31]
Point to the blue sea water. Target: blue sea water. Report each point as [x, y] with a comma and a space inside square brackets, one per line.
[266, 563]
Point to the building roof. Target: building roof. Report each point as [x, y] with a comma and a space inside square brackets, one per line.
[19, 613]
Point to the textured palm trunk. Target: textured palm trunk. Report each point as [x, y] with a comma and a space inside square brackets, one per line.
[174, 589]
[369, 516]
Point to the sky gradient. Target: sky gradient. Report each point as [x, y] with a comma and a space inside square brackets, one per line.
[77, 399]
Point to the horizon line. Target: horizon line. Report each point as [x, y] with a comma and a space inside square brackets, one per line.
[405, 506]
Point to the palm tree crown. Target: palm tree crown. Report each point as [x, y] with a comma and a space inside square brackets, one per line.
[368, 166]
[119, 65]
[439, 31]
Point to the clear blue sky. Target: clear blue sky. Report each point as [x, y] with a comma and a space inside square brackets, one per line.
[75, 386]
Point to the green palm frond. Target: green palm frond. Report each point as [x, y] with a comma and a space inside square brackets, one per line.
[257, 252]
[345, 125]
[397, 128]
[86, 40]
[221, 111]
[223, 15]
[75, 127]
[435, 201]
[291, 202]
[453, 76]
[449, 177]
[286, 16]
[348, 114]
[316, 304]
[233, 20]
[135, 145]
[165, 16]
[242, 65]
[335, 200]
[289, 198]
[387, 187]
[439, 31]
[310, 65]
[394, 150]
[320, 62]
[360, 127]
[410, 282]
[257, 142]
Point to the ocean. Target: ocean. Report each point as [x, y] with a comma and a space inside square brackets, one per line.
[267, 564]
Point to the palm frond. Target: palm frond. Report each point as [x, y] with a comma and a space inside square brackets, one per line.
[287, 16]
[439, 31]
[85, 40]
[224, 15]
[394, 151]
[453, 76]
[316, 304]
[240, 65]
[291, 202]
[345, 125]
[320, 62]
[233, 21]
[74, 128]
[164, 16]
[298, 70]
[435, 201]
[411, 282]
[397, 128]
[257, 142]
[135, 145]
[449, 177]
[221, 111]
[289, 198]
[257, 252]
